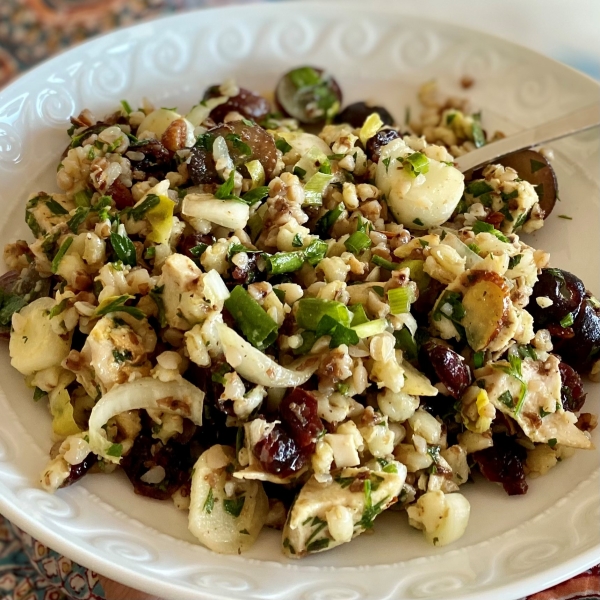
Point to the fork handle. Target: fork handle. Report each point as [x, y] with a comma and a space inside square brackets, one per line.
[580, 120]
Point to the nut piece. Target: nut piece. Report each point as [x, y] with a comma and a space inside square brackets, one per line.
[175, 136]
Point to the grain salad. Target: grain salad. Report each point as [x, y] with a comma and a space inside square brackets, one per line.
[296, 316]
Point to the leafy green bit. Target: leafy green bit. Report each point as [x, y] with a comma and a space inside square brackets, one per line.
[418, 222]
[256, 325]
[342, 388]
[239, 145]
[126, 107]
[457, 313]
[282, 146]
[552, 442]
[478, 187]
[406, 343]
[118, 305]
[121, 356]
[58, 308]
[339, 333]
[370, 511]
[38, 394]
[527, 352]
[205, 141]
[565, 217]
[60, 254]
[209, 503]
[137, 213]
[81, 214]
[311, 310]
[416, 164]
[478, 359]
[507, 399]
[477, 131]
[287, 544]
[319, 525]
[258, 194]
[317, 545]
[400, 300]
[198, 250]
[344, 482]
[297, 241]
[325, 223]
[378, 289]
[115, 450]
[474, 247]
[513, 261]
[510, 196]
[299, 172]
[234, 506]
[357, 242]
[218, 375]
[521, 220]
[514, 370]
[567, 321]
[543, 413]
[386, 162]
[123, 247]
[284, 262]
[225, 190]
[56, 208]
[156, 295]
[483, 227]
[359, 316]
[536, 165]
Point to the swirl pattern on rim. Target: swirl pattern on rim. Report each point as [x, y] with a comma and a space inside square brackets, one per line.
[170, 60]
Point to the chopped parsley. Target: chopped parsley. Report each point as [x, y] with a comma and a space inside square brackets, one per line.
[567, 321]
[234, 506]
[418, 222]
[209, 503]
[115, 450]
[536, 165]
[121, 356]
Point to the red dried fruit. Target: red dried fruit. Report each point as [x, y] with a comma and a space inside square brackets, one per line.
[503, 463]
[572, 393]
[78, 471]
[382, 138]
[299, 414]
[448, 366]
[279, 454]
[121, 194]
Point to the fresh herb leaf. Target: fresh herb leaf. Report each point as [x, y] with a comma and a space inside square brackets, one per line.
[225, 190]
[123, 247]
[38, 394]
[121, 356]
[317, 545]
[543, 413]
[513, 261]
[256, 195]
[234, 506]
[552, 442]
[137, 213]
[55, 208]
[478, 359]
[536, 165]
[477, 131]
[156, 295]
[115, 450]
[117, 304]
[209, 503]
[126, 107]
[60, 254]
[78, 218]
[297, 241]
[482, 226]
[418, 222]
[507, 399]
[565, 217]
[325, 223]
[282, 146]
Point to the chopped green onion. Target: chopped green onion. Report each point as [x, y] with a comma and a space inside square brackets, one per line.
[198, 250]
[478, 359]
[126, 107]
[308, 341]
[256, 195]
[315, 252]
[416, 164]
[385, 264]
[359, 316]
[284, 262]
[256, 172]
[371, 126]
[417, 272]
[56, 208]
[209, 503]
[115, 450]
[150, 252]
[60, 254]
[299, 172]
[565, 217]
[314, 188]
[256, 325]
[526, 351]
[474, 248]
[513, 261]
[234, 506]
[82, 197]
[225, 190]
[138, 212]
[282, 146]
[297, 241]
[58, 308]
[400, 300]
[303, 77]
[406, 343]
[477, 131]
[255, 225]
[325, 223]
[38, 394]
[339, 333]
[357, 242]
[483, 227]
[239, 145]
[418, 222]
[311, 310]
[371, 328]
[567, 321]
[552, 442]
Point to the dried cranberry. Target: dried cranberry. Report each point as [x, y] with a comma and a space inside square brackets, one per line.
[382, 138]
[121, 194]
[249, 104]
[279, 454]
[78, 471]
[503, 463]
[446, 366]
[246, 274]
[299, 413]
[572, 393]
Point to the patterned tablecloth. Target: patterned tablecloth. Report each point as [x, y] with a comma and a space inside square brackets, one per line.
[32, 30]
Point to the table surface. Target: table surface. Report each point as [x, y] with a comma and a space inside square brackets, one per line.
[33, 30]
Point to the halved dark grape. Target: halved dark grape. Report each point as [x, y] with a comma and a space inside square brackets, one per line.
[504, 463]
[201, 166]
[156, 161]
[565, 290]
[572, 393]
[248, 103]
[308, 94]
[355, 114]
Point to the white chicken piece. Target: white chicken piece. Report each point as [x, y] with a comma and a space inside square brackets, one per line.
[541, 415]
[325, 515]
[422, 201]
[114, 350]
[188, 294]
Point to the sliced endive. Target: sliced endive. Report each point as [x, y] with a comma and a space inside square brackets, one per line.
[178, 397]
[257, 367]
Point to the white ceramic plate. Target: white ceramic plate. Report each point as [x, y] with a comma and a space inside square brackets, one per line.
[513, 546]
